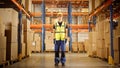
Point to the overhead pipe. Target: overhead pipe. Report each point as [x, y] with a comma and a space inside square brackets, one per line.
[38, 14]
[106, 4]
[21, 8]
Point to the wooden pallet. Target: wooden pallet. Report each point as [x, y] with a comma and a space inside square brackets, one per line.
[49, 51]
[5, 63]
[118, 65]
[13, 61]
[82, 51]
[36, 51]
[75, 51]
[104, 59]
[93, 56]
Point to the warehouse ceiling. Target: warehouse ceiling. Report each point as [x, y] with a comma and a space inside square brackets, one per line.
[8, 4]
[116, 9]
[63, 3]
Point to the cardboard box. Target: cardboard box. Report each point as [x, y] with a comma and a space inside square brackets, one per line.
[12, 34]
[28, 39]
[48, 20]
[91, 5]
[2, 55]
[67, 48]
[86, 43]
[2, 29]
[23, 49]
[100, 43]
[28, 5]
[98, 3]
[107, 53]
[107, 39]
[28, 49]
[81, 46]
[116, 44]
[74, 49]
[2, 42]
[26, 24]
[90, 37]
[38, 47]
[12, 51]
[74, 37]
[116, 56]
[49, 47]
[75, 46]
[9, 17]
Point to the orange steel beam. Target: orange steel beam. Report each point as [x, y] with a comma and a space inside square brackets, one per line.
[106, 4]
[37, 31]
[83, 30]
[20, 7]
[80, 26]
[74, 31]
[50, 26]
[37, 14]
[40, 1]
[36, 26]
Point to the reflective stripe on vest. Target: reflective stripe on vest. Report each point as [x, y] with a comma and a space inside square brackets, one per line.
[60, 31]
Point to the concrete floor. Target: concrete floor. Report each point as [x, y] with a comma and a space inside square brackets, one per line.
[46, 60]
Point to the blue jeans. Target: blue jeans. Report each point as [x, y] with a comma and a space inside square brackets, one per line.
[60, 45]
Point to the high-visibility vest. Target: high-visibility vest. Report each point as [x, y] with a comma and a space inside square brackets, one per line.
[60, 31]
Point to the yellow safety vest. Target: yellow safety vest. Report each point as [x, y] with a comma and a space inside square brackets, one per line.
[60, 31]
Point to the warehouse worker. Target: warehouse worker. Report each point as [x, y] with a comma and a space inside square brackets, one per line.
[60, 36]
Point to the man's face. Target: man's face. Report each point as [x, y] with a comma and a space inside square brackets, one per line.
[60, 18]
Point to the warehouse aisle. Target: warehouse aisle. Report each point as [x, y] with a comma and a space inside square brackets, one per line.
[76, 60]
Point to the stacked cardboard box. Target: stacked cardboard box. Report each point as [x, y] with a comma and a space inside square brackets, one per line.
[103, 36]
[48, 20]
[81, 46]
[28, 37]
[28, 5]
[74, 37]
[75, 46]
[67, 47]
[2, 28]
[2, 49]
[23, 49]
[116, 56]
[36, 44]
[22, 42]
[116, 43]
[2, 42]
[91, 5]
[10, 19]
[86, 43]
[116, 50]
[98, 3]
[90, 44]
[49, 41]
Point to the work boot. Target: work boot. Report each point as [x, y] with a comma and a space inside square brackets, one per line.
[56, 64]
[63, 64]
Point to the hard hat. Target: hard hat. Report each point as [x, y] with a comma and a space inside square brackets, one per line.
[59, 14]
